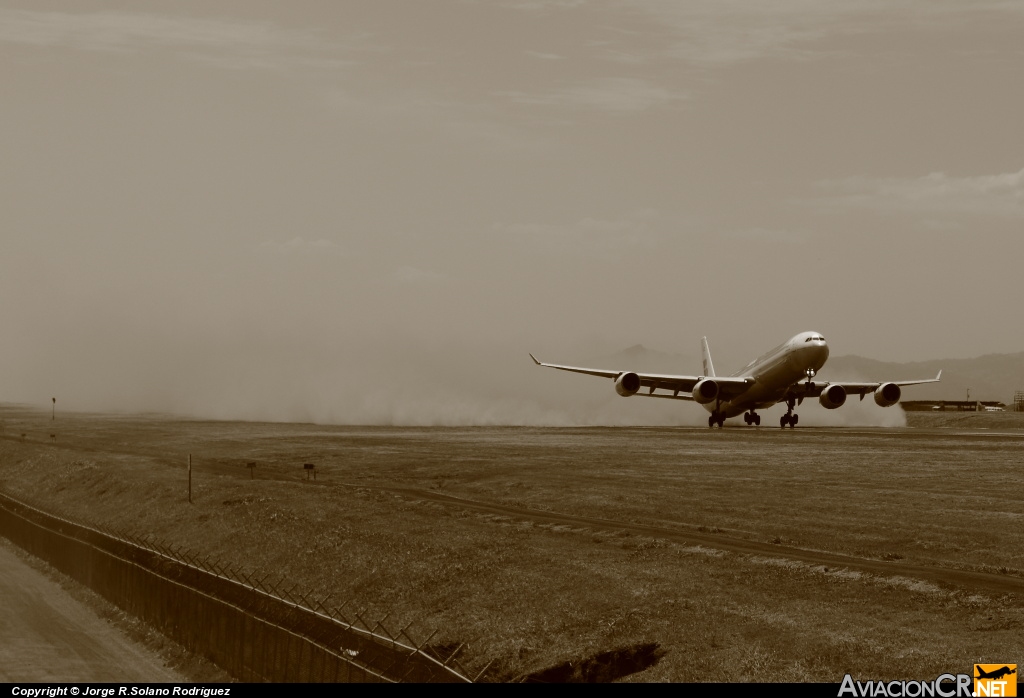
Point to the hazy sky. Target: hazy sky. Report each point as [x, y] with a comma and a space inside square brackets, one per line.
[329, 210]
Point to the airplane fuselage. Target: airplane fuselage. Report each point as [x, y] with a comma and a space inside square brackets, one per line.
[774, 372]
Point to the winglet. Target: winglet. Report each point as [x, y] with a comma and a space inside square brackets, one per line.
[937, 377]
[538, 362]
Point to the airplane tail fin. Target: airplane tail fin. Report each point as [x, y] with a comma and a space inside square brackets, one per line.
[709, 368]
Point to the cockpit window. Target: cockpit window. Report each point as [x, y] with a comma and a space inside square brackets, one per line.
[815, 339]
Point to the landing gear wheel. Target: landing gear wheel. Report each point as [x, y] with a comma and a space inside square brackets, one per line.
[757, 420]
[789, 418]
[711, 422]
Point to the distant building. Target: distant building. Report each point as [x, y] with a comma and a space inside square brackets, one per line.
[957, 405]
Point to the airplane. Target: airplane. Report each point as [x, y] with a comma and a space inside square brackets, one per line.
[995, 674]
[784, 374]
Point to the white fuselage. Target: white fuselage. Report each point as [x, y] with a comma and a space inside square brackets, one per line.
[774, 372]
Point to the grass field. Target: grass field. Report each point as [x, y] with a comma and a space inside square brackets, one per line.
[527, 595]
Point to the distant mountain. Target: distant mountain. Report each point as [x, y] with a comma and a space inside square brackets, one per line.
[989, 377]
[640, 358]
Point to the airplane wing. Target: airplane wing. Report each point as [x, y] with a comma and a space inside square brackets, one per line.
[814, 389]
[681, 386]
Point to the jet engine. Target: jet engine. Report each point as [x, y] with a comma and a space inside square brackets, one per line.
[705, 391]
[887, 394]
[832, 397]
[627, 384]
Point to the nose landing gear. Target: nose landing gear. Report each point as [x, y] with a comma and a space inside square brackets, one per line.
[789, 419]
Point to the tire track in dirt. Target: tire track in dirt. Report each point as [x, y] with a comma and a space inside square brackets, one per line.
[986, 581]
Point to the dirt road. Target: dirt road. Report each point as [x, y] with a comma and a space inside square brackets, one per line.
[46, 635]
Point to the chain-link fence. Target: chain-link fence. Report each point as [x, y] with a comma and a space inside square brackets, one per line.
[254, 630]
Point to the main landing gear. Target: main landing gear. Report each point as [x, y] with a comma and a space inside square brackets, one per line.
[789, 418]
[717, 418]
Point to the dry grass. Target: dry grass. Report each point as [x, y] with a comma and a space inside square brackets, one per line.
[528, 596]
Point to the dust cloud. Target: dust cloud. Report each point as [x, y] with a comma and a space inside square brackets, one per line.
[364, 379]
